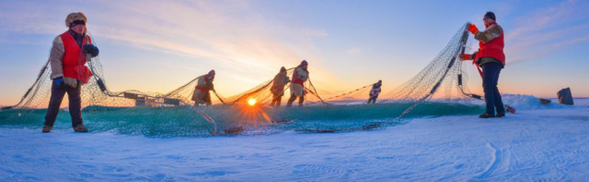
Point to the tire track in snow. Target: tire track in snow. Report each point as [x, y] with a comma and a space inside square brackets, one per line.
[496, 161]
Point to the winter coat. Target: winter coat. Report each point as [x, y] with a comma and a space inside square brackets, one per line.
[491, 43]
[299, 77]
[67, 58]
[201, 91]
[375, 91]
[280, 80]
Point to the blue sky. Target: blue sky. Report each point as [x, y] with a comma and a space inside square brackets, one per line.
[160, 45]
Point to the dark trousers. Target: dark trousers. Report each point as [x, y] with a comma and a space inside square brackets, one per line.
[276, 100]
[372, 99]
[57, 93]
[293, 98]
[492, 96]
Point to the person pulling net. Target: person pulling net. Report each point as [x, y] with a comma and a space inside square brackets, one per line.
[297, 87]
[278, 84]
[374, 92]
[68, 59]
[491, 59]
[204, 86]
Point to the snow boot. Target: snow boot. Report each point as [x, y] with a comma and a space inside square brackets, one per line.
[500, 114]
[80, 128]
[486, 115]
[47, 128]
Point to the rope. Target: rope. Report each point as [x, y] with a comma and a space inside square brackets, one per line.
[355, 90]
[346, 93]
[218, 97]
[316, 93]
[30, 88]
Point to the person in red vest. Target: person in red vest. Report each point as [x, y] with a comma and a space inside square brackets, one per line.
[491, 59]
[203, 87]
[68, 71]
[374, 92]
[297, 86]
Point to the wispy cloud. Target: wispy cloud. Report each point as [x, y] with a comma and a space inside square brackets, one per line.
[547, 30]
[247, 46]
[217, 32]
[229, 36]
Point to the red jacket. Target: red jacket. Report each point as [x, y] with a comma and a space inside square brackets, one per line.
[74, 58]
[493, 48]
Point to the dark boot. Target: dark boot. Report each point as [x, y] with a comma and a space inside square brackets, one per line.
[486, 115]
[47, 128]
[80, 128]
[500, 114]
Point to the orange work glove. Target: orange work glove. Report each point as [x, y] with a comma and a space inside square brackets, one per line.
[466, 56]
[473, 28]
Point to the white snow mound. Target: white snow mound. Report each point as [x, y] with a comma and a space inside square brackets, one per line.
[527, 102]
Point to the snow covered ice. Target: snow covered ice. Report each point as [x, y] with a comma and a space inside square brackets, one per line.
[538, 143]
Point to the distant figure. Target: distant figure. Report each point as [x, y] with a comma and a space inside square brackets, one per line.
[67, 59]
[491, 59]
[297, 87]
[202, 90]
[280, 80]
[374, 92]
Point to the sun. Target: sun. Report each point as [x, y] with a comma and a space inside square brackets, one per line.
[251, 102]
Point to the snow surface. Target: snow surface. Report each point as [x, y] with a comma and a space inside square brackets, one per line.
[538, 143]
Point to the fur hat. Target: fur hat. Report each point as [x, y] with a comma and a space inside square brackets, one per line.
[304, 62]
[75, 16]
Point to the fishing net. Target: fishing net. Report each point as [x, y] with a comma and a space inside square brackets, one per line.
[440, 88]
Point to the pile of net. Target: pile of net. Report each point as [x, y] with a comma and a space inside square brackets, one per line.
[439, 89]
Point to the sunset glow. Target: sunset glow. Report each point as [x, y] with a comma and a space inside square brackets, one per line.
[150, 48]
[251, 102]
